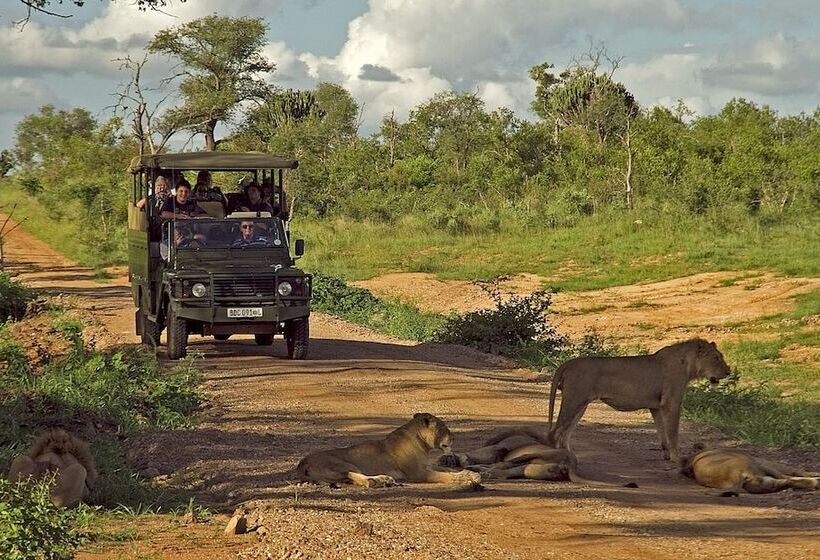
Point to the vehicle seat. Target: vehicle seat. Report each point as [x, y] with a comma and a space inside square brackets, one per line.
[213, 209]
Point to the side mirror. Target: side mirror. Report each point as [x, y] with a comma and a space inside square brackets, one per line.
[300, 247]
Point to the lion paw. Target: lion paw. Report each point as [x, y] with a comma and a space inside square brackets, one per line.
[381, 481]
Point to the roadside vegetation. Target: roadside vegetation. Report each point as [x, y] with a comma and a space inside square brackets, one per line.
[50, 377]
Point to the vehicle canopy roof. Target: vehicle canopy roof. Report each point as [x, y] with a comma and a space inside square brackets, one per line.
[212, 161]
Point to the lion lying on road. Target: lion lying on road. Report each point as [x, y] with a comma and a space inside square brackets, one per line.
[735, 471]
[657, 381]
[68, 457]
[402, 455]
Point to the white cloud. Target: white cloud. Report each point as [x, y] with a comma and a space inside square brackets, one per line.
[20, 95]
[773, 65]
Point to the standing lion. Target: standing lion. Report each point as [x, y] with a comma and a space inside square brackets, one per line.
[656, 381]
[68, 458]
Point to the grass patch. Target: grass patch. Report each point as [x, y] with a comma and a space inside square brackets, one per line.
[332, 295]
[603, 248]
[14, 298]
[755, 414]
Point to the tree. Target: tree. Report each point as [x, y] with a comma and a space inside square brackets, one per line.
[220, 65]
[39, 134]
[45, 7]
[586, 97]
[151, 131]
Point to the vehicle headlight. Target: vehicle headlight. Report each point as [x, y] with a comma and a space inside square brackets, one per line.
[199, 289]
[284, 288]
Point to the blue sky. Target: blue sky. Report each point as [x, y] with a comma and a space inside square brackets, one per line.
[394, 54]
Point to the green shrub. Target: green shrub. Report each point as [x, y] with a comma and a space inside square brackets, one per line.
[14, 298]
[515, 322]
[32, 528]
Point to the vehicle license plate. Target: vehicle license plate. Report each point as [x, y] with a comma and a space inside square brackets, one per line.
[242, 312]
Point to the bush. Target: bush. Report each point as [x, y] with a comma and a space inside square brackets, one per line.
[14, 298]
[515, 322]
[32, 528]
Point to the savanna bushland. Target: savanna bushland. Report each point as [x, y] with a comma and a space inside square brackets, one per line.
[591, 178]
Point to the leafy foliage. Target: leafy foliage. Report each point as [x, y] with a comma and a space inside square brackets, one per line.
[32, 528]
[14, 298]
[513, 322]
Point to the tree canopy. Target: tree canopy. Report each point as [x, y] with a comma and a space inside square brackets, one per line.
[220, 63]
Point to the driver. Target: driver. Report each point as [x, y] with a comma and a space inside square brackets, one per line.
[248, 234]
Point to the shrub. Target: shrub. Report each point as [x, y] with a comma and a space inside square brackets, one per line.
[14, 298]
[515, 322]
[32, 528]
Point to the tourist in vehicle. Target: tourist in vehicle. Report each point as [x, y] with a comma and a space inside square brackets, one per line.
[253, 200]
[205, 191]
[180, 206]
[161, 193]
[249, 233]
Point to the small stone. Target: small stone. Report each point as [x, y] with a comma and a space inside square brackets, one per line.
[238, 525]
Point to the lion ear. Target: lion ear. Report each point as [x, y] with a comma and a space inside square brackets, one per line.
[425, 416]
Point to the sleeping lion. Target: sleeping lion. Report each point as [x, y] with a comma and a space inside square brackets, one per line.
[67, 457]
[735, 471]
[403, 455]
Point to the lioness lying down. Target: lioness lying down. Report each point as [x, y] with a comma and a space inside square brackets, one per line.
[735, 471]
[657, 381]
[68, 457]
[402, 455]
[519, 453]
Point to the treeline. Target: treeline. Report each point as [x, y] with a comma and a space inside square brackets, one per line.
[467, 169]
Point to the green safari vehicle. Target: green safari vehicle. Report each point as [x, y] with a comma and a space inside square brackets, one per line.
[223, 269]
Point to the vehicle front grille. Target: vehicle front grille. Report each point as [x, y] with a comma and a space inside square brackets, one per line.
[261, 287]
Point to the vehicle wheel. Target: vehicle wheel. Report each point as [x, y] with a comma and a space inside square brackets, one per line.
[297, 335]
[177, 336]
[263, 339]
[222, 337]
[149, 330]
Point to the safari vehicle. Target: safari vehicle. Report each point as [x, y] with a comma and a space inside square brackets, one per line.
[216, 274]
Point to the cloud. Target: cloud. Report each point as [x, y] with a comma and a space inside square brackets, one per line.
[773, 65]
[376, 73]
[20, 95]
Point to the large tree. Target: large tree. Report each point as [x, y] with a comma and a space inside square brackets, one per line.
[220, 63]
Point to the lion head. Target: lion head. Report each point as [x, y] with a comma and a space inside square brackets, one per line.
[432, 431]
[709, 362]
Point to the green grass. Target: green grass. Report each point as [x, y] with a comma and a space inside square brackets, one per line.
[63, 235]
[604, 250]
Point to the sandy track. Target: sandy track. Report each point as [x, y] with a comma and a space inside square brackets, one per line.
[268, 411]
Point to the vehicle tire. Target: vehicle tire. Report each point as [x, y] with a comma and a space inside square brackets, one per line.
[177, 336]
[297, 336]
[149, 330]
[222, 337]
[263, 339]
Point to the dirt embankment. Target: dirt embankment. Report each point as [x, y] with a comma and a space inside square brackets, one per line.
[266, 412]
[655, 314]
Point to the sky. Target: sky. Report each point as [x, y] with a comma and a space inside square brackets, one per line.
[394, 54]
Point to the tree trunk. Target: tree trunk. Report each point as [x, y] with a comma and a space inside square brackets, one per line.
[629, 159]
[210, 141]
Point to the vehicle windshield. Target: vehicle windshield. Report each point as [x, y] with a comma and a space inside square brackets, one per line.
[230, 233]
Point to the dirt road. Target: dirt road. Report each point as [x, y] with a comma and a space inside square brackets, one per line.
[268, 411]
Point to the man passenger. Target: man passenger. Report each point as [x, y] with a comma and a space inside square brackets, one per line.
[253, 199]
[161, 193]
[180, 206]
